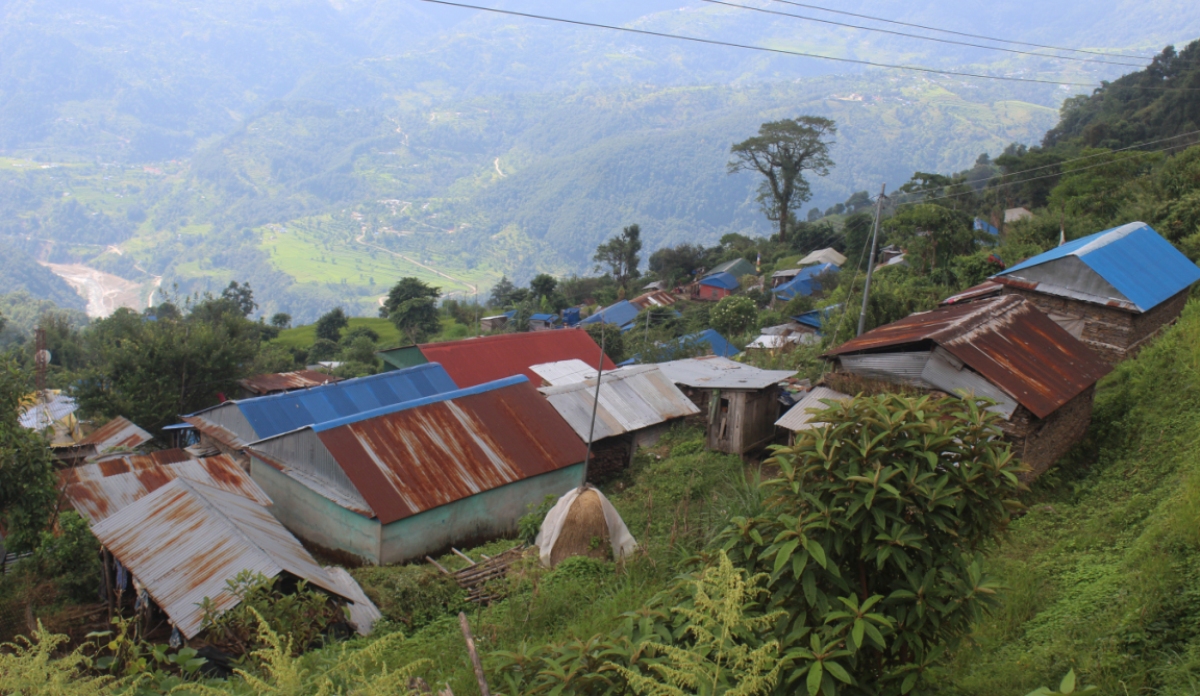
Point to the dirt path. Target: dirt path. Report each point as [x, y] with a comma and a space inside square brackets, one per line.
[474, 288]
[105, 292]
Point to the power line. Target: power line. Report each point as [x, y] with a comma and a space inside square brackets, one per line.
[956, 33]
[783, 51]
[918, 36]
[1066, 161]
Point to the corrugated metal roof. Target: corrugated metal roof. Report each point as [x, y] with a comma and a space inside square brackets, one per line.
[118, 433]
[737, 268]
[1130, 266]
[363, 612]
[40, 416]
[544, 317]
[800, 416]
[823, 256]
[654, 298]
[988, 288]
[423, 454]
[620, 313]
[565, 371]
[1005, 339]
[475, 361]
[103, 488]
[631, 398]
[185, 540]
[722, 280]
[714, 372]
[287, 381]
[271, 415]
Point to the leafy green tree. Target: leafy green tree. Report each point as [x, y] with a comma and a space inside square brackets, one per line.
[621, 255]
[611, 339]
[734, 315]
[672, 264]
[874, 537]
[932, 235]
[543, 285]
[412, 306]
[502, 293]
[281, 320]
[323, 350]
[152, 371]
[241, 296]
[27, 482]
[781, 152]
[331, 323]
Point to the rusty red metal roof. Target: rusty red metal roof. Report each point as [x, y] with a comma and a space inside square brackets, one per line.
[103, 488]
[118, 433]
[987, 288]
[286, 381]
[475, 361]
[655, 298]
[1006, 339]
[438, 451]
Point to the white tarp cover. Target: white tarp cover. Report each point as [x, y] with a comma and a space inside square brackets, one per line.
[623, 542]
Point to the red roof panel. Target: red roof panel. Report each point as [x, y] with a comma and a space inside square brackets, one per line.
[473, 361]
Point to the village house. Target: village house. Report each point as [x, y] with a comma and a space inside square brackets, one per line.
[414, 478]
[542, 322]
[279, 382]
[230, 426]
[715, 287]
[800, 417]
[1113, 290]
[1041, 378]
[806, 282]
[636, 405]
[823, 256]
[473, 361]
[740, 403]
[621, 314]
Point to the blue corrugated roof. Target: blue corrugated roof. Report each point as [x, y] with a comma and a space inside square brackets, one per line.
[816, 317]
[620, 314]
[1133, 258]
[544, 317]
[424, 401]
[280, 413]
[805, 282]
[722, 280]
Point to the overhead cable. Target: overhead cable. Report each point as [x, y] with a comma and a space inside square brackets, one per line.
[923, 38]
[1111, 54]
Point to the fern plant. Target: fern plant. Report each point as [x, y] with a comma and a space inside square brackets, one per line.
[29, 667]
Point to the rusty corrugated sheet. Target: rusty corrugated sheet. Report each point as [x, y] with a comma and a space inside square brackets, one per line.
[1006, 339]
[451, 447]
[474, 361]
[105, 487]
[631, 398]
[655, 298]
[286, 381]
[987, 288]
[185, 540]
[118, 433]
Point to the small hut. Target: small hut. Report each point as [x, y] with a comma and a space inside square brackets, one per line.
[800, 417]
[583, 523]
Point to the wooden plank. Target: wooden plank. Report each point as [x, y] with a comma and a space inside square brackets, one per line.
[438, 566]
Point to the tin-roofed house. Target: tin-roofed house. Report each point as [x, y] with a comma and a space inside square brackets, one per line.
[806, 282]
[1113, 290]
[542, 322]
[822, 257]
[473, 361]
[1041, 378]
[231, 426]
[636, 404]
[801, 416]
[716, 286]
[415, 478]
[741, 402]
[279, 382]
[621, 314]
[185, 541]
[736, 268]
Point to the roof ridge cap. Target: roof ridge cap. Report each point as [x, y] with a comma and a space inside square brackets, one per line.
[1115, 234]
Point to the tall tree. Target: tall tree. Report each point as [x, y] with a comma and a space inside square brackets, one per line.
[241, 296]
[412, 306]
[331, 323]
[781, 152]
[621, 254]
[27, 482]
[543, 285]
[502, 293]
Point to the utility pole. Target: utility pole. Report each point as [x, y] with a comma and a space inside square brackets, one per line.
[862, 317]
[587, 460]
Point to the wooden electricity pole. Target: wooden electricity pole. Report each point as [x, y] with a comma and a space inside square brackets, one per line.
[862, 317]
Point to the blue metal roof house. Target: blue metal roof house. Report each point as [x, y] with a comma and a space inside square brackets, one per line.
[1114, 290]
[622, 314]
[805, 282]
[233, 425]
[542, 322]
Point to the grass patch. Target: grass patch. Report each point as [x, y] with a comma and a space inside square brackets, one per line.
[305, 336]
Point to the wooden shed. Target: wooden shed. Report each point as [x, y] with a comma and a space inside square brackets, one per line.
[740, 403]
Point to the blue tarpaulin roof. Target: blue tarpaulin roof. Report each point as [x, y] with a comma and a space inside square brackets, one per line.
[544, 317]
[1141, 267]
[805, 283]
[982, 225]
[620, 314]
[280, 413]
[817, 317]
[722, 280]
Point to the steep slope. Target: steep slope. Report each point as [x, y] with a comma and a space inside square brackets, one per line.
[1103, 573]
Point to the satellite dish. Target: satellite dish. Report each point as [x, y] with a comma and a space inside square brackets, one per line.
[42, 358]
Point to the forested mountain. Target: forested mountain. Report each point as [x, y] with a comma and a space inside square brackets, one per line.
[320, 150]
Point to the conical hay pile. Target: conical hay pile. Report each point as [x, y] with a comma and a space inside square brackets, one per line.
[584, 523]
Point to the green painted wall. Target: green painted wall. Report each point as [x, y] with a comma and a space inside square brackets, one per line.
[481, 517]
[315, 518]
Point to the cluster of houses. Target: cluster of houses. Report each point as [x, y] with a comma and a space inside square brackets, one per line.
[456, 440]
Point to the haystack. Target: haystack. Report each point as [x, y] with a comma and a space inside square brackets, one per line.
[583, 523]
